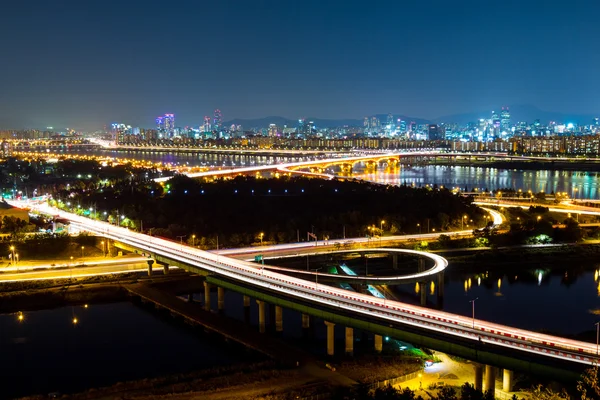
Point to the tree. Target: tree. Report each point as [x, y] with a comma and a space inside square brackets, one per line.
[589, 386]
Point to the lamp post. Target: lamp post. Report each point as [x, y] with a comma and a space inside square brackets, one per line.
[473, 303]
[82, 248]
[12, 249]
[261, 237]
[193, 240]
[102, 245]
[381, 225]
[597, 337]
[316, 277]
[419, 226]
[462, 222]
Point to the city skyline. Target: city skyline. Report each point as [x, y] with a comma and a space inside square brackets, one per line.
[85, 65]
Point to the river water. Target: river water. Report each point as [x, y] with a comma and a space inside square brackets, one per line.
[46, 352]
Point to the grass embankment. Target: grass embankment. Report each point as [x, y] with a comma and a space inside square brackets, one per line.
[370, 368]
[264, 380]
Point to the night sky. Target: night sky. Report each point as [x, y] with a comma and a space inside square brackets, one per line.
[84, 64]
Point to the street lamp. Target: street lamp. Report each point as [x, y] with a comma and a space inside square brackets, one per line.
[462, 222]
[82, 247]
[597, 336]
[419, 226]
[261, 237]
[12, 249]
[193, 240]
[473, 303]
[317, 277]
[102, 245]
[381, 225]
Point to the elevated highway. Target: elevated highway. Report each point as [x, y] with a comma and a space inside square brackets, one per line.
[478, 340]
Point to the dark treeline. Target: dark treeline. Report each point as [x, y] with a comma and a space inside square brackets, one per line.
[240, 209]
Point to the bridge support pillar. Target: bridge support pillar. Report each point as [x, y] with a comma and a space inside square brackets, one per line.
[440, 285]
[349, 341]
[395, 261]
[507, 380]
[490, 379]
[330, 337]
[305, 321]
[478, 376]
[247, 309]
[278, 319]
[261, 316]
[165, 269]
[207, 296]
[423, 293]
[421, 265]
[221, 298]
[378, 343]
[190, 297]
[150, 262]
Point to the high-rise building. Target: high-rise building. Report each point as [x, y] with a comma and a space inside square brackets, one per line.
[169, 123]
[217, 120]
[206, 127]
[505, 120]
[435, 132]
[272, 130]
[160, 125]
[301, 127]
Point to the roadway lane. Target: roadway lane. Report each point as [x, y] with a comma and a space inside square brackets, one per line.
[74, 272]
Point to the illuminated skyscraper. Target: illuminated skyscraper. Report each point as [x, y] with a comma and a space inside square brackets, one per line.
[206, 127]
[505, 120]
[169, 122]
[217, 120]
[160, 125]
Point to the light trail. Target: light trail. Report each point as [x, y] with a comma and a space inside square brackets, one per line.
[368, 306]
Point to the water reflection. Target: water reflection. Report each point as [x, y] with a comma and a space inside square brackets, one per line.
[561, 301]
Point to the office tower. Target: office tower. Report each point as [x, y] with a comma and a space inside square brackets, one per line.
[435, 132]
[217, 120]
[206, 127]
[160, 124]
[301, 126]
[272, 130]
[505, 120]
[169, 123]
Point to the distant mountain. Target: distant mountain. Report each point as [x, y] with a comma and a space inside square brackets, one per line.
[519, 112]
[319, 122]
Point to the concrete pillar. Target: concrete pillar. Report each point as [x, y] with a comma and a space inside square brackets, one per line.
[150, 262]
[221, 298]
[190, 297]
[207, 296]
[330, 338]
[507, 380]
[261, 316]
[395, 261]
[247, 309]
[478, 376]
[378, 343]
[423, 292]
[440, 285]
[349, 341]
[421, 265]
[278, 319]
[165, 269]
[305, 321]
[490, 379]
